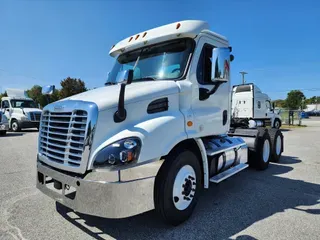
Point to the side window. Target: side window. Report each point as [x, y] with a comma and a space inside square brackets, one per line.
[268, 105]
[5, 104]
[204, 66]
[259, 104]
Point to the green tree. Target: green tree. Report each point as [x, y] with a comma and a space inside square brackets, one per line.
[71, 86]
[36, 95]
[280, 103]
[295, 100]
[3, 95]
[313, 100]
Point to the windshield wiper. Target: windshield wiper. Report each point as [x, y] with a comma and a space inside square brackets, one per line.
[145, 79]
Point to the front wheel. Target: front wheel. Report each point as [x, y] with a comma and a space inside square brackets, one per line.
[15, 126]
[277, 123]
[177, 187]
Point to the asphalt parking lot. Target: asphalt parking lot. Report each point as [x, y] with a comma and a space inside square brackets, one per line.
[282, 202]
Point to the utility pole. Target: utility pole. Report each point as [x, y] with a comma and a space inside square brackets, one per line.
[243, 73]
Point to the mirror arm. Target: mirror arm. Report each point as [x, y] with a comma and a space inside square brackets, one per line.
[215, 88]
[121, 114]
[205, 93]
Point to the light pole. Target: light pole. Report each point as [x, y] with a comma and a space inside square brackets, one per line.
[243, 73]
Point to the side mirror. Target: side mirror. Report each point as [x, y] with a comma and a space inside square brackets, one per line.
[220, 70]
[125, 76]
[48, 90]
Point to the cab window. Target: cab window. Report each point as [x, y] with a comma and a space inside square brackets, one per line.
[204, 66]
[5, 104]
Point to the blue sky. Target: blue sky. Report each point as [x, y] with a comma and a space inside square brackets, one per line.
[42, 42]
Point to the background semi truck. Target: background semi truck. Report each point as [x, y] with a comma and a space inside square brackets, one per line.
[20, 110]
[156, 134]
[249, 102]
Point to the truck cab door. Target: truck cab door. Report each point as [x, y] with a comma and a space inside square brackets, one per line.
[211, 89]
[269, 111]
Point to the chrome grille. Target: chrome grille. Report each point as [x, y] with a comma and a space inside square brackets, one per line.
[62, 136]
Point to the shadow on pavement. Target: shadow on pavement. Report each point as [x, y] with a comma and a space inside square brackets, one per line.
[285, 129]
[12, 134]
[29, 130]
[223, 210]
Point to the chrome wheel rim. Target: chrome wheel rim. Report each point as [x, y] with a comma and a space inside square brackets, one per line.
[14, 126]
[277, 124]
[184, 187]
[266, 150]
[278, 145]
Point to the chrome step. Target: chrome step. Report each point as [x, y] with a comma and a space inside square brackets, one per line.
[228, 173]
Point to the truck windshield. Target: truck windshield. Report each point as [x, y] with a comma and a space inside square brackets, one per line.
[161, 61]
[20, 103]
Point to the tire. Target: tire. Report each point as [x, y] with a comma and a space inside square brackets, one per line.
[177, 186]
[277, 123]
[260, 158]
[3, 133]
[15, 127]
[276, 138]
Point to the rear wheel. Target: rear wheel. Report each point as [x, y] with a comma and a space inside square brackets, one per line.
[276, 138]
[15, 126]
[177, 186]
[260, 158]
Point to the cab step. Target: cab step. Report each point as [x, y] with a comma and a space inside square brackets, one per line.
[228, 173]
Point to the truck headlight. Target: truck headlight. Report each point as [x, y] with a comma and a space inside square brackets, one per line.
[118, 153]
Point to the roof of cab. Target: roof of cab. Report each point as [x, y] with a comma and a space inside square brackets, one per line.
[182, 29]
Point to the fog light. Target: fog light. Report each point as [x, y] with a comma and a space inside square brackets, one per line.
[112, 159]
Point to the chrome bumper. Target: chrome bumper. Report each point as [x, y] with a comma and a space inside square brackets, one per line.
[117, 194]
[4, 126]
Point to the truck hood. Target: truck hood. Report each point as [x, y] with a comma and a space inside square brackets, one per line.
[108, 96]
[27, 110]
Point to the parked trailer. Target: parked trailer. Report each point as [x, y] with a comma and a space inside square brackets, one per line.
[155, 134]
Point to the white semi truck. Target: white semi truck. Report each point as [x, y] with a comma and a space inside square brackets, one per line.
[20, 110]
[249, 102]
[156, 134]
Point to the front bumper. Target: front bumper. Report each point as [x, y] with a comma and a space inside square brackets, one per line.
[29, 124]
[4, 126]
[116, 194]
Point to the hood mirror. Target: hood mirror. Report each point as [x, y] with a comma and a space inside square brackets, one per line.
[48, 90]
[125, 76]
